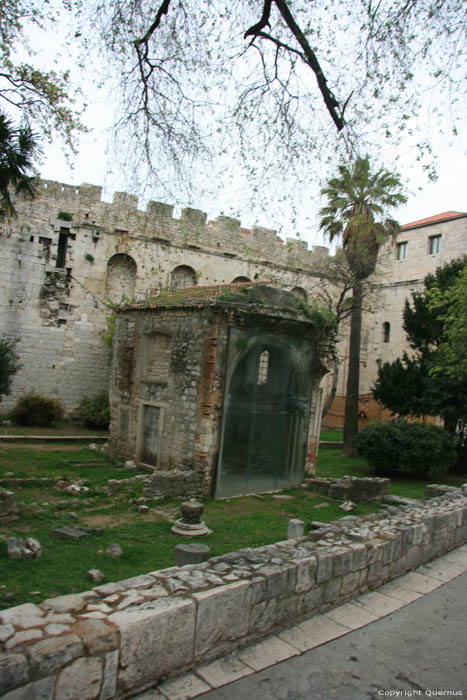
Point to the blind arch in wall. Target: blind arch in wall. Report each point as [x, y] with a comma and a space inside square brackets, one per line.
[182, 276]
[121, 277]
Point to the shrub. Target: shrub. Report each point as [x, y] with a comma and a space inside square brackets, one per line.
[399, 447]
[34, 409]
[93, 412]
[8, 364]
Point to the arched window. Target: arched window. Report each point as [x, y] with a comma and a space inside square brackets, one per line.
[263, 367]
[121, 277]
[300, 293]
[182, 276]
[241, 279]
[386, 332]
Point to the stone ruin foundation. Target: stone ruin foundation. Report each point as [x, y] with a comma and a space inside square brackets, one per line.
[216, 389]
[122, 638]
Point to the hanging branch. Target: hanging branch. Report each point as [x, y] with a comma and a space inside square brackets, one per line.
[307, 54]
[256, 31]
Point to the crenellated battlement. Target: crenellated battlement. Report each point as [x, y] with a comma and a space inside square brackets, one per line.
[69, 254]
[224, 235]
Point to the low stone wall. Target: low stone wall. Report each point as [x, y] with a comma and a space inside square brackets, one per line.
[351, 488]
[174, 483]
[121, 638]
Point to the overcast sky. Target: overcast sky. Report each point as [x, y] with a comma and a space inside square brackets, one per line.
[94, 165]
[448, 193]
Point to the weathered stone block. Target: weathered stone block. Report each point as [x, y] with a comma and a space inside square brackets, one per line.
[375, 572]
[50, 655]
[81, 679]
[312, 600]
[342, 563]
[154, 638]
[13, 671]
[306, 574]
[109, 682]
[286, 610]
[222, 615]
[374, 552]
[65, 603]
[350, 583]
[262, 617]
[96, 635]
[40, 690]
[279, 579]
[325, 565]
[359, 553]
[24, 636]
[26, 615]
[331, 590]
[387, 552]
[6, 631]
[414, 557]
[295, 529]
[435, 490]
[258, 591]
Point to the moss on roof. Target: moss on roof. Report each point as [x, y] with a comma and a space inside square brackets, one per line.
[197, 295]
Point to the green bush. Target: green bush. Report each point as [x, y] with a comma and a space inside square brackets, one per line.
[399, 447]
[34, 409]
[93, 412]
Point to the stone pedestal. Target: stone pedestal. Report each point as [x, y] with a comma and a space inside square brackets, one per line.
[295, 529]
[191, 554]
[190, 524]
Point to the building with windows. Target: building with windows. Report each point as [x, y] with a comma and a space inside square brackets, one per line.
[420, 248]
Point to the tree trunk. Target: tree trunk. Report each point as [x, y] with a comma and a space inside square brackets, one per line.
[332, 393]
[353, 377]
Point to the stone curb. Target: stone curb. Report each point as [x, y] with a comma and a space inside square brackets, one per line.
[125, 637]
[314, 632]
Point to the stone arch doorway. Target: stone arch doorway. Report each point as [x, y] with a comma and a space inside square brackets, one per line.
[182, 276]
[266, 413]
[121, 277]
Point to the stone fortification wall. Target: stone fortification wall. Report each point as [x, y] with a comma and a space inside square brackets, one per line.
[121, 638]
[396, 277]
[68, 254]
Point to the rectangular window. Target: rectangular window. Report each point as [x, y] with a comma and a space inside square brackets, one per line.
[402, 250]
[434, 245]
[149, 434]
[62, 248]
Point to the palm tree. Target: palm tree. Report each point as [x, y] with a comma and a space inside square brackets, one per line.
[357, 201]
[18, 146]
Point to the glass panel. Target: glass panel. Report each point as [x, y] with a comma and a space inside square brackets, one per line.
[151, 435]
[266, 413]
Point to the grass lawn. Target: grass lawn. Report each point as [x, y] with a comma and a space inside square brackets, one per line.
[329, 435]
[60, 429]
[332, 463]
[146, 538]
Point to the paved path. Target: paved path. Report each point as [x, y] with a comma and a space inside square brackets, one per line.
[408, 639]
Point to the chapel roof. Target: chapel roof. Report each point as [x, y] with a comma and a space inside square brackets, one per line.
[197, 295]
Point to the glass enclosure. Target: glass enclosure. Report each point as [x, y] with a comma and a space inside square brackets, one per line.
[266, 413]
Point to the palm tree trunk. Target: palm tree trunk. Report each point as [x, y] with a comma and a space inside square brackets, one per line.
[332, 393]
[353, 378]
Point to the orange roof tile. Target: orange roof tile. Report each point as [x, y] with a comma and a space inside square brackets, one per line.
[445, 216]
